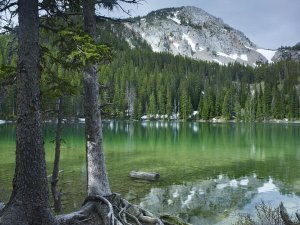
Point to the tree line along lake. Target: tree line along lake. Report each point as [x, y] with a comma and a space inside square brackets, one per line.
[210, 172]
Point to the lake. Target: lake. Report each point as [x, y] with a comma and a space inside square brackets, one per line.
[210, 173]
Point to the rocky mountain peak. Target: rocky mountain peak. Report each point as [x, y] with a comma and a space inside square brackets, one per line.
[192, 32]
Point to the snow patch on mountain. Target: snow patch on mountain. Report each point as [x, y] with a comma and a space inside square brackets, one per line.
[244, 57]
[234, 56]
[190, 41]
[222, 54]
[217, 61]
[176, 45]
[175, 18]
[248, 47]
[268, 54]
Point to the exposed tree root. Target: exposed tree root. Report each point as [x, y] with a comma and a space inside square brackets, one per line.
[285, 217]
[81, 216]
[109, 210]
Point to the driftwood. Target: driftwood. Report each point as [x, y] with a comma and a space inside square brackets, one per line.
[151, 176]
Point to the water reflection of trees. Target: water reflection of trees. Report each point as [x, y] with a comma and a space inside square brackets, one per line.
[205, 202]
[180, 152]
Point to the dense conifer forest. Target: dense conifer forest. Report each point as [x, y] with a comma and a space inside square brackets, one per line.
[140, 84]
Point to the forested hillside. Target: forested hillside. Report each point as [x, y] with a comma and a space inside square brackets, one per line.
[139, 83]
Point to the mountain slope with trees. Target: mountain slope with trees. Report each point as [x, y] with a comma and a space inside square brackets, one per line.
[140, 83]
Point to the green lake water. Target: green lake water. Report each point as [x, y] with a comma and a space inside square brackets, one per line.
[210, 173]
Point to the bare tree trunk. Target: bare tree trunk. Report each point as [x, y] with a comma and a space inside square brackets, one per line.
[29, 202]
[97, 178]
[109, 208]
[54, 189]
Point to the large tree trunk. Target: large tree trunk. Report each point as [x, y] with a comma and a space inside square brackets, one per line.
[97, 179]
[100, 206]
[54, 188]
[29, 202]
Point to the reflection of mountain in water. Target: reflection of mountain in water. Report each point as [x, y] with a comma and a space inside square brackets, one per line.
[217, 201]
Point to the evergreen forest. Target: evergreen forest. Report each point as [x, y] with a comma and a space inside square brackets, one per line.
[140, 84]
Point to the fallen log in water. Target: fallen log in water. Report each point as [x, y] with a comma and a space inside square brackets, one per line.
[151, 176]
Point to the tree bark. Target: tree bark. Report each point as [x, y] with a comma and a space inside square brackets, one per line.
[29, 202]
[109, 208]
[97, 178]
[54, 189]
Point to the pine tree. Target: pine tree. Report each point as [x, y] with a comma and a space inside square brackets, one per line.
[185, 103]
[237, 108]
[218, 105]
[277, 104]
[293, 104]
[250, 108]
[200, 106]
[161, 98]
[243, 94]
[29, 202]
[260, 110]
[227, 105]
[152, 108]
[137, 111]
[211, 103]
[267, 100]
[169, 104]
[205, 111]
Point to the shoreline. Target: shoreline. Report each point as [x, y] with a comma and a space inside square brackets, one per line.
[213, 121]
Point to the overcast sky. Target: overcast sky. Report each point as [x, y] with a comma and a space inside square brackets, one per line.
[268, 23]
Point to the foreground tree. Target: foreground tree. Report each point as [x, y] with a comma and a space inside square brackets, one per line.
[97, 178]
[100, 206]
[29, 202]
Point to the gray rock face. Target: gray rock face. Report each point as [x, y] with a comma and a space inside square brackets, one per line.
[192, 32]
[287, 54]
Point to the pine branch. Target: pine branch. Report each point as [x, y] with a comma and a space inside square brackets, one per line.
[6, 5]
